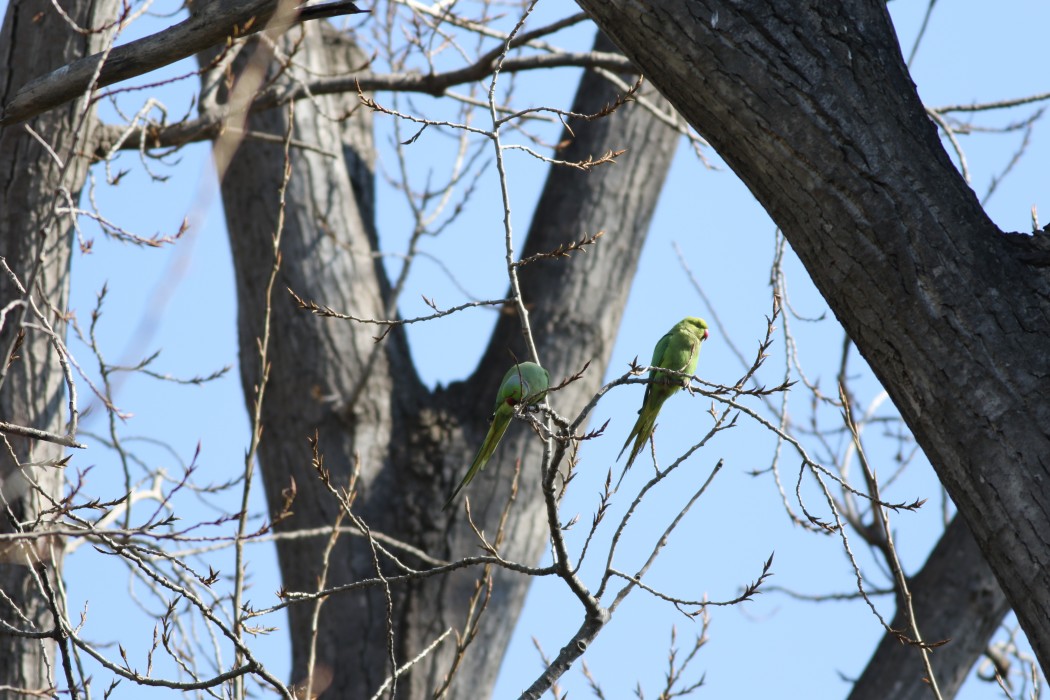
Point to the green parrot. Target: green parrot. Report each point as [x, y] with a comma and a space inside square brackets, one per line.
[679, 350]
[525, 382]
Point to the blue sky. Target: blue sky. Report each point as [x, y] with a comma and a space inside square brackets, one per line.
[180, 299]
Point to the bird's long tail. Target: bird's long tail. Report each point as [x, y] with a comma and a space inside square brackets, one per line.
[640, 433]
[499, 426]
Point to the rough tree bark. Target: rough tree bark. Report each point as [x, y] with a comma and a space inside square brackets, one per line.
[412, 444]
[35, 242]
[949, 311]
[812, 106]
[955, 597]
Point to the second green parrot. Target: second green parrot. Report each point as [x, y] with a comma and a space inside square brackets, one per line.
[679, 350]
[526, 383]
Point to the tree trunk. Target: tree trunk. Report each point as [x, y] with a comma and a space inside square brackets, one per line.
[36, 234]
[413, 444]
[575, 314]
[956, 598]
[812, 106]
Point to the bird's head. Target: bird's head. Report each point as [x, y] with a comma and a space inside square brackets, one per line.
[698, 325]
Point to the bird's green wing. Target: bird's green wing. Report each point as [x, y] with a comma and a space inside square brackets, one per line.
[659, 360]
[531, 380]
[525, 381]
[679, 350]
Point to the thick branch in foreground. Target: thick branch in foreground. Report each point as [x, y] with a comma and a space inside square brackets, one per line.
[210, 23]
[569, 654]
[214, 23]
[812, 106]
[209, 126]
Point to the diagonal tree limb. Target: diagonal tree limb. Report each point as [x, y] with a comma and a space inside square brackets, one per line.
[211, 125]
[813, 107]
[209, 24]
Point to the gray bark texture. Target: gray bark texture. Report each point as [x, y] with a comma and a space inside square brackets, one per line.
[367, 406]
[811, 105]
[955, 598]
[35, 243]
[209, 23]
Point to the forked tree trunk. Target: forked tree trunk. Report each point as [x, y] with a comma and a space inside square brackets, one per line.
[35, 242]
[812, 106]
[413, 444]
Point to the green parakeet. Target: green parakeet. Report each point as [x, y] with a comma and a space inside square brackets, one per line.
[525, 382]
[679, 350]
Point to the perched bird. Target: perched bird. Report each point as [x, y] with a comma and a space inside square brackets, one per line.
[527, 383]
[677, 350]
